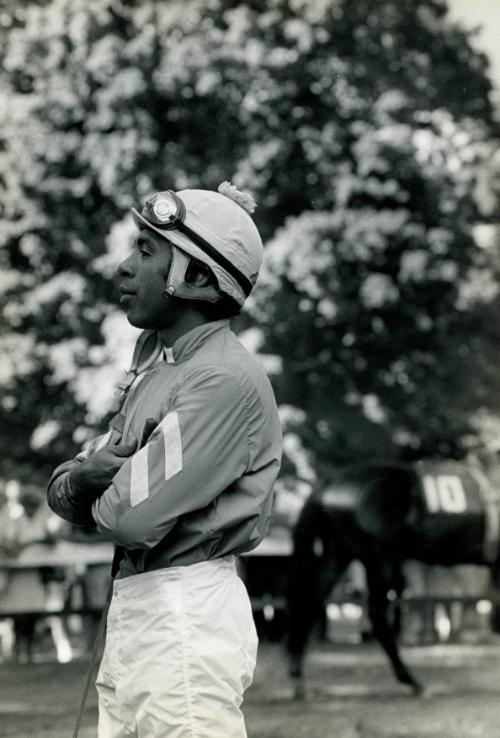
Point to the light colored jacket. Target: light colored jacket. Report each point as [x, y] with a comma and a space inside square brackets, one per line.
[200, 487]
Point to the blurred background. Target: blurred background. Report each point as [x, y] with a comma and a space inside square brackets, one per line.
[368, 133]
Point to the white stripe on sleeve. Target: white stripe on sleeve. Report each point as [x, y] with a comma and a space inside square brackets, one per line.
[173, 444]
[139, 477]
[103, 441]
[92, 446]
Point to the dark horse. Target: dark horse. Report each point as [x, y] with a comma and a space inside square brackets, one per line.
[435, 512]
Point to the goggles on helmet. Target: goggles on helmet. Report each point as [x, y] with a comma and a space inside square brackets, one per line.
[166, 211]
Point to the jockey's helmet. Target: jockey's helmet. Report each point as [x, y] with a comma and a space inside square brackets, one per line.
[214, 228]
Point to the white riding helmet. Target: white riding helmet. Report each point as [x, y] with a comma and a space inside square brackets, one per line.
[214, 228]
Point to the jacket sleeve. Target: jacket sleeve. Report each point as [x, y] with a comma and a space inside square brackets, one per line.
[60, 497]
[198, 449]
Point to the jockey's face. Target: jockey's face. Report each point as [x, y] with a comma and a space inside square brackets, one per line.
[142, 278]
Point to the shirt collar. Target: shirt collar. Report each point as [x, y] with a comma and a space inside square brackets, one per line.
[191, 341]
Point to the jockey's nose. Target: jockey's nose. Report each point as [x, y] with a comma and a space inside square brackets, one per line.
[126, 268]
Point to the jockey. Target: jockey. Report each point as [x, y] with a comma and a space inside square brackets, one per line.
[182, 480]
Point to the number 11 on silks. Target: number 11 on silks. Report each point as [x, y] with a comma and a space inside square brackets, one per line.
[444, 493]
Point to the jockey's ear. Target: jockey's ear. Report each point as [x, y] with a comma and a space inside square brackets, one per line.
[199, 274]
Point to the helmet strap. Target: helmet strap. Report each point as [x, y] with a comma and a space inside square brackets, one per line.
[146, 352]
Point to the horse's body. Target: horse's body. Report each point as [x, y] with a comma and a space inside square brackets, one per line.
[382, 515]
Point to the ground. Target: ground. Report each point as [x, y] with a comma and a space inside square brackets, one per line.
[350, 694]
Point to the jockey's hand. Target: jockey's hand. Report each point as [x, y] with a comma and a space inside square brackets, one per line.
[91, 477]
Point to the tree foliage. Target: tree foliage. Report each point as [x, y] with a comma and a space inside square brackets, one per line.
[363, 130]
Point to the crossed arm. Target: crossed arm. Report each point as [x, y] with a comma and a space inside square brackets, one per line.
[136, 495]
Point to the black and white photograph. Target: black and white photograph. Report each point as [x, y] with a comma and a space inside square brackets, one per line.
[250, 368]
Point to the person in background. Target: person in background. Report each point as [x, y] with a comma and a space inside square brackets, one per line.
[25, 594]
[6, 629]
[182, 481]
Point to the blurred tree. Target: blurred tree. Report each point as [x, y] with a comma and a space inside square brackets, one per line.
[362, 128]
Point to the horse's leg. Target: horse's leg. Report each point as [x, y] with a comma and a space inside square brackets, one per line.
[303, 587]
[398, 584]
[311, 578]
[304, 611]
[382, 629]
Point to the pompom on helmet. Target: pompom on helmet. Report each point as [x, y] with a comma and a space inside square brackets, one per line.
[214, 228]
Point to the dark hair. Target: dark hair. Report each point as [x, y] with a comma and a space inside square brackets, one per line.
[224, 308]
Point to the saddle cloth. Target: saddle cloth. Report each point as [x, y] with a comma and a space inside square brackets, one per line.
[460, 509]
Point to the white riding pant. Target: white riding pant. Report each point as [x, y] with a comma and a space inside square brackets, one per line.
[180, 651]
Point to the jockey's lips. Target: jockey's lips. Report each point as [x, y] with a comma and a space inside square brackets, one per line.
[125, 295]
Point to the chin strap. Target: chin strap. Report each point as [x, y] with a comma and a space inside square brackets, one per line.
[177, 285]
[147, 350]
